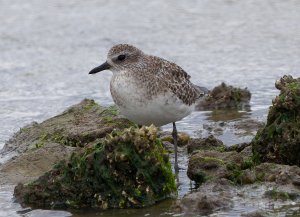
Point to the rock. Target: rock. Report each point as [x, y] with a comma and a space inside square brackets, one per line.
[30, 165]
[128, 168]
[77, 126]
[296, 180]
[37, 147]
[239, 182]
[183, 138]
[240, 147]
[209, 143]
[276, 194]
[225, 97]
[238, 167]
[281, 174]
[213, 165]
[247, 127]
[246, 151]
[279, 140]
[207, 199]
[249, 197]
[248, 177]
[204, 165]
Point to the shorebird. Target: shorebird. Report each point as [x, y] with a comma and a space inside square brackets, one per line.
[148, 89]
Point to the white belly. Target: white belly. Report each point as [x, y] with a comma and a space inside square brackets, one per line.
[159, 110]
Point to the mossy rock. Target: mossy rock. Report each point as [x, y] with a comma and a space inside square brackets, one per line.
[201, 168]
[276, 194]
[77, 126]
[226, 97]
[182, 138]
[279, 140]
[209, 143]
[210, 165]
[128, 168]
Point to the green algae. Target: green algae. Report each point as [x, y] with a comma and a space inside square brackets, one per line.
[78, 125]
[235, 171]
[276, 194]
[209, 143]
[211, 165]
[128, 168]
[235, 174]
[213, 159]
[279, 140]
[203, 168]
[219, 149]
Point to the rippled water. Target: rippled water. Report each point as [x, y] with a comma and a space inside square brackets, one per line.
[48, 47]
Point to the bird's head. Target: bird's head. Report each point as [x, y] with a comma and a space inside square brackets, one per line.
[120, 57]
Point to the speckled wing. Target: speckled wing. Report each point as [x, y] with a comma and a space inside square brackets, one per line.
[178, 81]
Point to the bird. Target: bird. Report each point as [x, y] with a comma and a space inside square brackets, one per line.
[150, 90]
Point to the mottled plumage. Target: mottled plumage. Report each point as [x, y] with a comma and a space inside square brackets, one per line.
[148, 78]
[148, 89]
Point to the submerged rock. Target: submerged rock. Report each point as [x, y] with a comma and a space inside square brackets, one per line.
[226, 97]
[279, 140]
[128, 168]
[278, 173]
[257, 213]
[210, 197]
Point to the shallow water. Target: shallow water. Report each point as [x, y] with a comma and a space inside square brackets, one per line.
[48, 47]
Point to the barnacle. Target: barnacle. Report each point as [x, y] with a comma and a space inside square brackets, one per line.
[128, 168]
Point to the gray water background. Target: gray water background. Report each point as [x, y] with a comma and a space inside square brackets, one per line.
[48, 47]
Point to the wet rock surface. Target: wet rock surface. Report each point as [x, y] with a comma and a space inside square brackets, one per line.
[255, 214]
[37, 147]
[208, 198]
[88, 156]
[238, 165]
[230, 179]
[30, 165]
[76, 127]
[224, 176]
[128, 168]
[254, 172]
[279, 140]
[182, 139]
[208, 143]
[226, 97]
[212, 164]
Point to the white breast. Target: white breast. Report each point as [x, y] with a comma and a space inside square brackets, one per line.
[158, 110]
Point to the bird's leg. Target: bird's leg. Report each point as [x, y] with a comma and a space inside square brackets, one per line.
[174, 134]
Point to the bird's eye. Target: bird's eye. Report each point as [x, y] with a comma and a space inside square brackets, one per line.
[121, 57]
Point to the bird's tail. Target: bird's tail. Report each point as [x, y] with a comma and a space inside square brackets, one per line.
[203, 91]
[203, 95]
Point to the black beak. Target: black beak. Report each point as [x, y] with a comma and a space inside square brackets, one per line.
[102, 67]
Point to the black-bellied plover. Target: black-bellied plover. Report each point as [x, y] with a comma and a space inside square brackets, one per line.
[148, 89]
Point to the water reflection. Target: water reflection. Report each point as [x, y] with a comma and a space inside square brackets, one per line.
[227, 115]
[160, 209]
